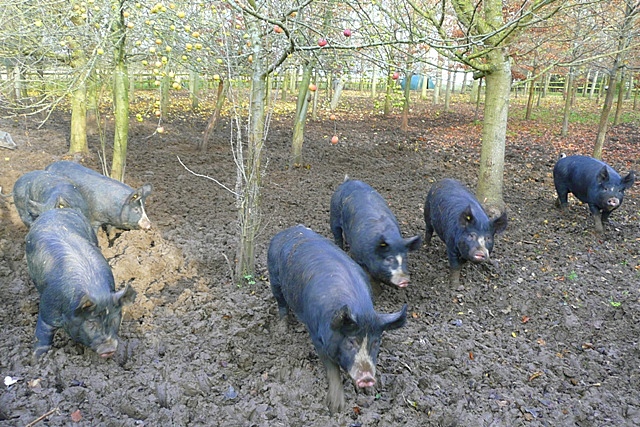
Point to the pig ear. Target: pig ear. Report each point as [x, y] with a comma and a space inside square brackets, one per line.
[145, 190]
[86, 304]
[125, 296]
[140, 193]
[603, 175]
[393, 320]
[61, 203]
[344, 321]
[500, 223]
[466, 217]
[629, 180]
[413, 243]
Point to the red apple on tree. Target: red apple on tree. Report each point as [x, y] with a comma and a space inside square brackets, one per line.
[277, 29]
[395, 75]
[322, 42]
[347, 32]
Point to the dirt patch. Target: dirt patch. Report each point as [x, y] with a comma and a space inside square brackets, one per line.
[548, 336]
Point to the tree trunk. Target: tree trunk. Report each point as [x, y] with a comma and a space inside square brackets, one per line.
[614, 76]
[215, 117]
[593, 85]
[387, 95]
[448, 90]
[603, 124]
[424, 87]
[93, 127]
[547, 81]
[464, 82]
[374, 83]
[496, 111]
[530, 98]
[120, 96]
[436, 87]
[620, 87]
[478, 98]
[249, 177]
[585, 88]
[165, 84]
[78, 135]
[302, 106]
[404, 126]
[473, 96]
[335, 99]
[194, 89]
[567, 102]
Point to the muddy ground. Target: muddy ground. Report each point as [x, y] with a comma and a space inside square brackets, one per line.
[546, 337]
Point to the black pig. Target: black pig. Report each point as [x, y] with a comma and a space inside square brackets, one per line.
[592, 182]
[75, 282]
[110, 201]
[39, 191]
[330, 294]
[460, 221]
[361, 217]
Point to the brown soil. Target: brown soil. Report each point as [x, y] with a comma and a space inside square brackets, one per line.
[547, 336]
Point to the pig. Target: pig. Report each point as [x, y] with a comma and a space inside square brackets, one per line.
[110, 201]
[38, 191]
[331, 295]
[361, 218]
[75, 282]
[6, 141]
[460, 221]
[593, 182]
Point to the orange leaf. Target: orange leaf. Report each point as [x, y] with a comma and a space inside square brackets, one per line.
[76, 416]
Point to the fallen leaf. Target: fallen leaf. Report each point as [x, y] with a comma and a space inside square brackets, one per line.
[76, 416]
[535, 375]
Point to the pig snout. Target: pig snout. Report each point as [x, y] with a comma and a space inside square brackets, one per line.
[403, 283]
[613, 203]
[107, 348]
[363, 370]
[144, 223]
[480, 255]
[399, 276]
[366, 380]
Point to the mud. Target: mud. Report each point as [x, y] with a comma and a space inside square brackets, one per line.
[546, 336]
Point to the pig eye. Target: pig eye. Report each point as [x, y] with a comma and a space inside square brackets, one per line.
[352, 342]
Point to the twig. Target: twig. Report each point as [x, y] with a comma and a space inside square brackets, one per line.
[229, 265]
[42, 417]
[208, 177]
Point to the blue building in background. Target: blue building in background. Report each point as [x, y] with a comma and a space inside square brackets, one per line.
[416, 82]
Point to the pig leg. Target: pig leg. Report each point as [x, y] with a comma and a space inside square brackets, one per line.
[597, 218]
[605, 216]
[276, 289]
[454, 276]
[338, 238]
[44, 337]
[427, 220]
[455, 264]
[563, 196]
[335, 395]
